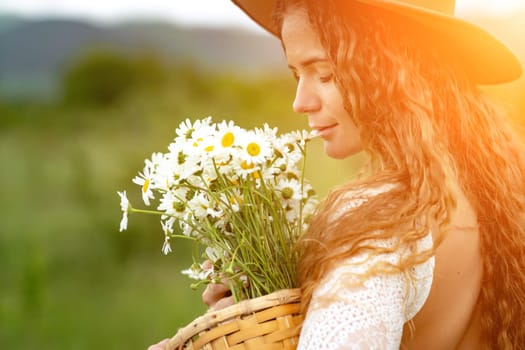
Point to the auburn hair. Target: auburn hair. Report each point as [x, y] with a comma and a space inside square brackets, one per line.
[427, 128]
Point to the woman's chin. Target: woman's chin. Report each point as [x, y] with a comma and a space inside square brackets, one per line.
[339, 152]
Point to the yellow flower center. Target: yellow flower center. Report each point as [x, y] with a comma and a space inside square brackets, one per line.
[227, 139]
[246, 165]
[179, 206]
[236, 199]
[197, 141]
[287, 193]
[209, 148]
[253, 149]
[145, 186]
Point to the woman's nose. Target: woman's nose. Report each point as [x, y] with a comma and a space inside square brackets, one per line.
[306, 99]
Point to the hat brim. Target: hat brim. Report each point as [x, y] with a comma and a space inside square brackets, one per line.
[485, 58]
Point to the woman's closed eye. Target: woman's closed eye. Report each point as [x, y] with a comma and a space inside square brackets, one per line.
[326, 78]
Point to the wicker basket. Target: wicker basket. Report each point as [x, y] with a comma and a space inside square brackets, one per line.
[270, 322]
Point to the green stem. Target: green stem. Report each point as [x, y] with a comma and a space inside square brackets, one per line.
[183, 236]
[144, 211]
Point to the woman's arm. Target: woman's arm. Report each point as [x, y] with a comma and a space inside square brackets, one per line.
[346, 315]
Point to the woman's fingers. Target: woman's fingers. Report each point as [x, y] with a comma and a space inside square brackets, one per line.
[214, 292]
[222, 303]
[218, 295]
[207, 264]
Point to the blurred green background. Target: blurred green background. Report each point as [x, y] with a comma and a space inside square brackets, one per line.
[69, 279]
[73, 135]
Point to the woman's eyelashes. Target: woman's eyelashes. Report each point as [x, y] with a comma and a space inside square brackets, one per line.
[326, 78]
[323, 78]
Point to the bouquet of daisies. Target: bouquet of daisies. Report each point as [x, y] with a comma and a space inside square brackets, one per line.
[240, 195]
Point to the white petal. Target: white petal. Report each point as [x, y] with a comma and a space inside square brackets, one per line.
[166, 247]
[124, 202]
[124, 222]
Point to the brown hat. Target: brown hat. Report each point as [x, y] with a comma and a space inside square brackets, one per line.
[484, 57]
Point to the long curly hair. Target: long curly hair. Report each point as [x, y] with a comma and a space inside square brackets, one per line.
[427, 128]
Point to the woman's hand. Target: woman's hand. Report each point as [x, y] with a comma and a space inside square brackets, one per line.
[216, 295]
[160, 345]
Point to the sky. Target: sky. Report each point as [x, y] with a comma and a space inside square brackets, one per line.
[184, 12]
[193, 12]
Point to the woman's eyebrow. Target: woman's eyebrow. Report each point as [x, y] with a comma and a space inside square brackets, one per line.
[309, 61]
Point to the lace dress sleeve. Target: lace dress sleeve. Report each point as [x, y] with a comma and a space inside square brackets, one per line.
[371, 315]
[343, 315]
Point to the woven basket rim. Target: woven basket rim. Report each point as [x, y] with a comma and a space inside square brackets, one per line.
[245, 307]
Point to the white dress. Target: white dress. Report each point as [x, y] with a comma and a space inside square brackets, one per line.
[369, 316]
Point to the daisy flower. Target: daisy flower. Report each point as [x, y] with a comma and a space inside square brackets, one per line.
[256, 148]
[125, 207]
[290, 190]
[191, 165]
[196, 272]
[244, 168]
[227, 133]
[271, 133]
[198, 142]
[232, 199]
[186, 129]
[167, 226]
[173, 203]
[166, 247]
[219, 183]
[288, 149]
[212, 253]
[144, 179]
[199, 205]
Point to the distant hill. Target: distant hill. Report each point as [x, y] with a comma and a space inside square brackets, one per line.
[7, 22]
[33, 53]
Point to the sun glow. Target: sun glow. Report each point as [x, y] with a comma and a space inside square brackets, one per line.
[198, 11]
[490, 7]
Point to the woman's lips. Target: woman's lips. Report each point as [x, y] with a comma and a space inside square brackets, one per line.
[323, 131]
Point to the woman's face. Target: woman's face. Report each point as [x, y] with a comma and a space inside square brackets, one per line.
[317, 95]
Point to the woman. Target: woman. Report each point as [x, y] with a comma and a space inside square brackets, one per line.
[426, 249]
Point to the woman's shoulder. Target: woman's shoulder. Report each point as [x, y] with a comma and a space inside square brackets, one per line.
[370, 190]
[416, 282]
[355, 281]
[355, 197]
